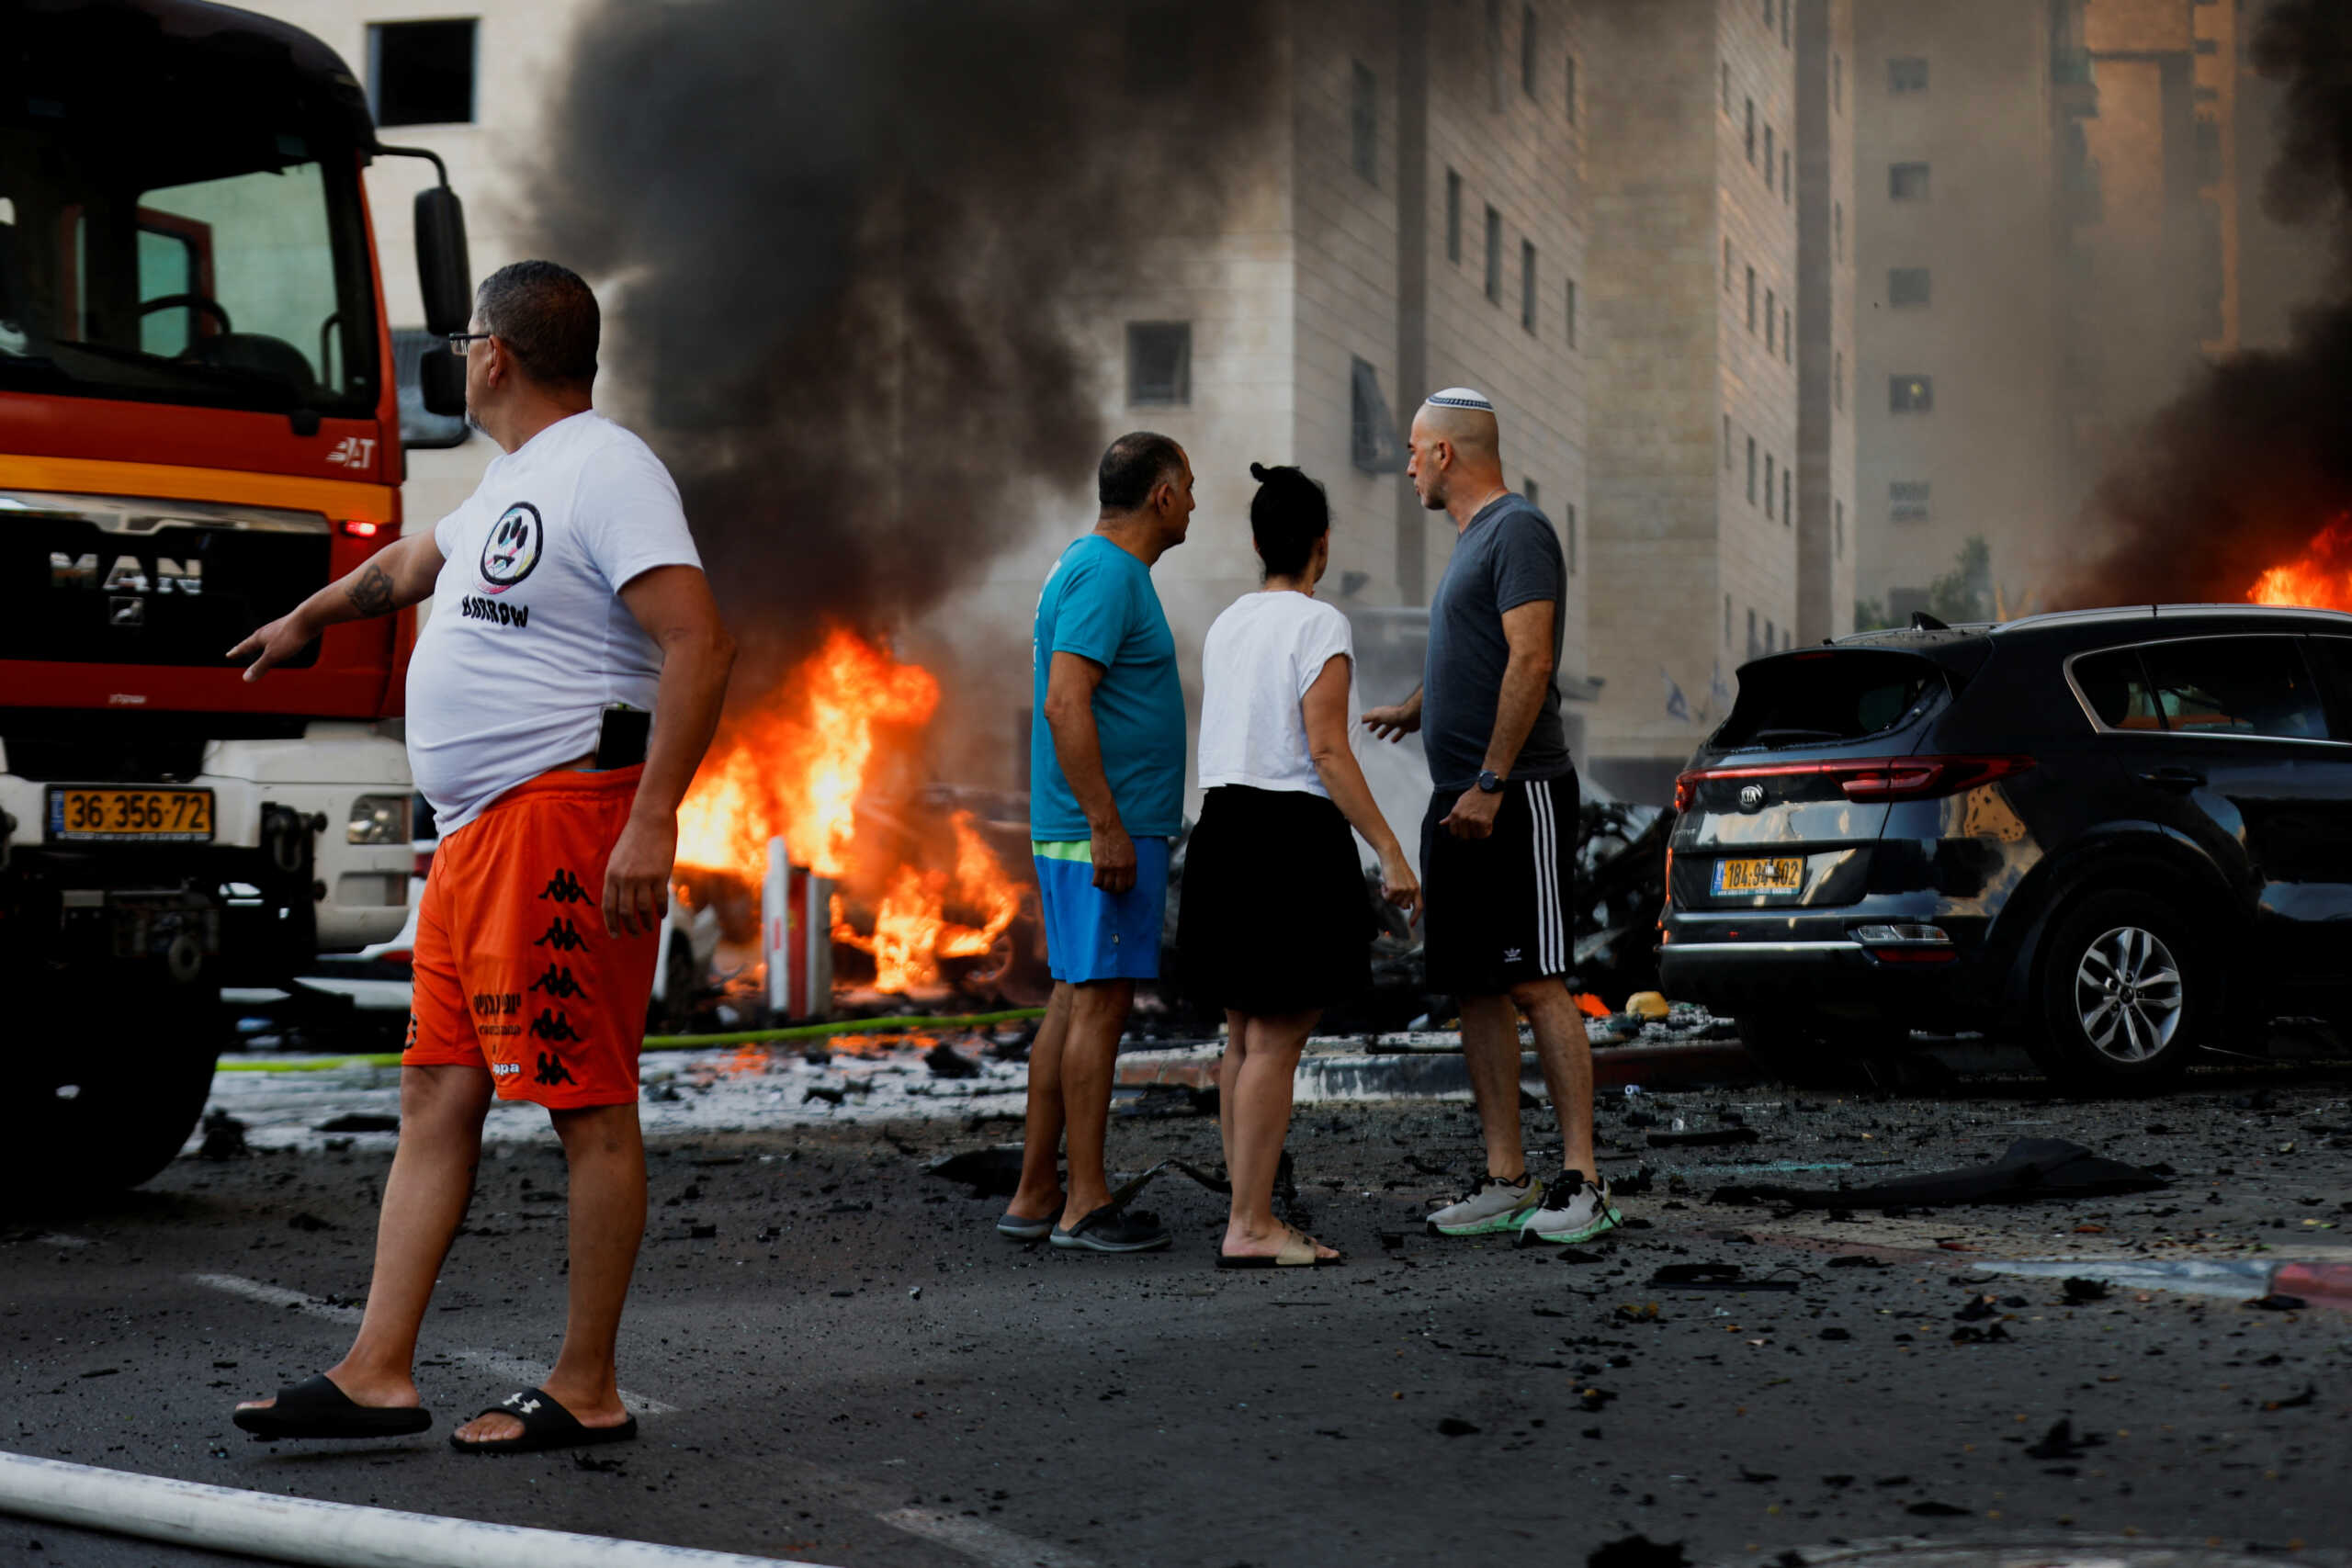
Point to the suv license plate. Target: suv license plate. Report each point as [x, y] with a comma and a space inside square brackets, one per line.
[130, 815]
[1773, 879]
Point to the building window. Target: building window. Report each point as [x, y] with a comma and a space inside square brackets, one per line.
[1838, 83]
[1373, 443]
[1768, 157]
[1787, 23]
[1726, 443]
[1726, 620]
[1767, 484]
[1452, 217]
[1570, 303]
[1527, 285]
[1527, 488]
[1751, 470]
[1751, 299]
[421, 73]
[1771, 323]
[1529, 37]
[1752, 649]
[1788, 178]
[1495, 55]
[1729, 274]
[1768, 16]
[1906, 286]
[1907, 182]
[1788, 498]
[1838, 230]
[1571, 95]
[1727, 87]
[1159, 364]
[1789, 334]
[1569, 535]
[1772, 637]
[1838, 382]
[1494, 255]
[1751, 130]
[1837, 530]
[1363, 122]
[1911, 394]
[1909, 500]
[1906, 73]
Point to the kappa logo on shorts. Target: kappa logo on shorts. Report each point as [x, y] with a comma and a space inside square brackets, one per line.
[564, 888]
[553, 1025]
[505, 1069]
[552, 1072]
[559, 984]
[561, 936]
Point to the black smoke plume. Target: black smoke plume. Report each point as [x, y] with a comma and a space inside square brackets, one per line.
[852, 247]
[2243, 470]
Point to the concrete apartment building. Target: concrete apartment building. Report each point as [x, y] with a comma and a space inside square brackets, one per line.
[1704, 189]
[2051, 237]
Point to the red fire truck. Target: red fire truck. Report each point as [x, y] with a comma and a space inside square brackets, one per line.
[198, 427]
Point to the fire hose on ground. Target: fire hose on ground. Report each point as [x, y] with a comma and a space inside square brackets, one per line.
[326, 1535]
[906, 1024]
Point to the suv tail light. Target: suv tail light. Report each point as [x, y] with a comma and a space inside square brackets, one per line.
[1870, 779]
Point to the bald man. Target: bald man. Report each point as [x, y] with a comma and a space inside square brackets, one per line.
[1499, 841]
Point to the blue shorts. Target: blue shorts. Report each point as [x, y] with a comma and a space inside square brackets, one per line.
[1095, 935]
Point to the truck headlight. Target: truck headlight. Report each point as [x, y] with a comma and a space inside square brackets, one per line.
[379, 820]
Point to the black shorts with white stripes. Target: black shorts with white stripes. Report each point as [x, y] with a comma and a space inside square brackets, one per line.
[1499, 907]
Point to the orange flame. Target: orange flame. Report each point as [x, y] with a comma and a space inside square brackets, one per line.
[796, 765]
[2321, 579]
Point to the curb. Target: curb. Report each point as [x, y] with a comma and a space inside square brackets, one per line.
[1329, 1074]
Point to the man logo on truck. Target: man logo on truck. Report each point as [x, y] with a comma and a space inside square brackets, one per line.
[127, 575]
[512, 547]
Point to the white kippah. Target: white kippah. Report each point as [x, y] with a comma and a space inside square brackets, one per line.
[1461, 397]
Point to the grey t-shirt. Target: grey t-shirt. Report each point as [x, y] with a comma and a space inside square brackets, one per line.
[1507, 556]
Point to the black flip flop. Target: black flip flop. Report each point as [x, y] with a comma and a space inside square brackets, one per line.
[546, 1425]
[315, 1407]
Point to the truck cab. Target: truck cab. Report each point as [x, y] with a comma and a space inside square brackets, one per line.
[199, 428]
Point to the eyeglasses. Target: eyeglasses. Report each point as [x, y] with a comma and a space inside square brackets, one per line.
[457, 341]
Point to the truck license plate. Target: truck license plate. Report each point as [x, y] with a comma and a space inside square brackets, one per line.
[128, 816]
[1773, 879]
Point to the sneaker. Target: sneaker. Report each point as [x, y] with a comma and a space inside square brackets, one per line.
[1113, 1229]
[1573, 1210]
[1493, 1205]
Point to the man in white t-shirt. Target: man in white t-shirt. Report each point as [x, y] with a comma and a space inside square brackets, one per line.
[569, 604]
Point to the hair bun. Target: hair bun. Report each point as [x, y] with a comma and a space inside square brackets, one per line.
[1260, 472]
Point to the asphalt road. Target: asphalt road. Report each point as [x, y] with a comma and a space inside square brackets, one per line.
[861, 1372]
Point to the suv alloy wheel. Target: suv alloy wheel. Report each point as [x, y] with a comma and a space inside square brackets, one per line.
[2126, 989]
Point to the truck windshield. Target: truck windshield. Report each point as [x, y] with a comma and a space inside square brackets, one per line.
[225, 266]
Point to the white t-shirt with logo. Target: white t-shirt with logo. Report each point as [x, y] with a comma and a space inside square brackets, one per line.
[1261, 657]
[528, 640]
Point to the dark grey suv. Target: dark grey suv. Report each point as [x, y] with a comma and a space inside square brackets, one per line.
[2109, 834]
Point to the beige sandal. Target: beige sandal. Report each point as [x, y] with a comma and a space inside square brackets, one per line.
[1298, 1252]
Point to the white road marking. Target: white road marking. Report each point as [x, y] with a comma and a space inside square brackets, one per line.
[514, 1368]
[999, 1549]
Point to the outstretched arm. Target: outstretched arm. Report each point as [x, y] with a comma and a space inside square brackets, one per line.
[395, 577]
[1397, 720]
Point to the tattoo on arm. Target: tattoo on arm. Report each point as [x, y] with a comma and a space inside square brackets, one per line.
[372, 594]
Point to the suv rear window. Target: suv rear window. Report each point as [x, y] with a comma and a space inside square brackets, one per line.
[1817, 699]
[2223, 685]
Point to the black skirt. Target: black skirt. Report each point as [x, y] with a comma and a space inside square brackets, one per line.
[1275, 917]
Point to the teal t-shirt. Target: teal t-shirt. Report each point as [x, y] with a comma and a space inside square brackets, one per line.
[1099, 603]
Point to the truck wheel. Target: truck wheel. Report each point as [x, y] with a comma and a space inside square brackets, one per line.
[2126, 989]
[1798, 1050]
[122, 1121]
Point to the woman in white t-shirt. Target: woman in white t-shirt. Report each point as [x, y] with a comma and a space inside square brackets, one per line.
[1275, 924]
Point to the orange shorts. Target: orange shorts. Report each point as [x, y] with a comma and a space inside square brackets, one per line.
[514, 971]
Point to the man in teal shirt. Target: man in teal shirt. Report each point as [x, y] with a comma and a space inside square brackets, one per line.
[1106, 793]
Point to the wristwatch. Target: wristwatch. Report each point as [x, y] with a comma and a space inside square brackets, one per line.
[1491, 782]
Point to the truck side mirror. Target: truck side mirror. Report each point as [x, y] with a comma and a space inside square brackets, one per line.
[441, 382]
[443, 273]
